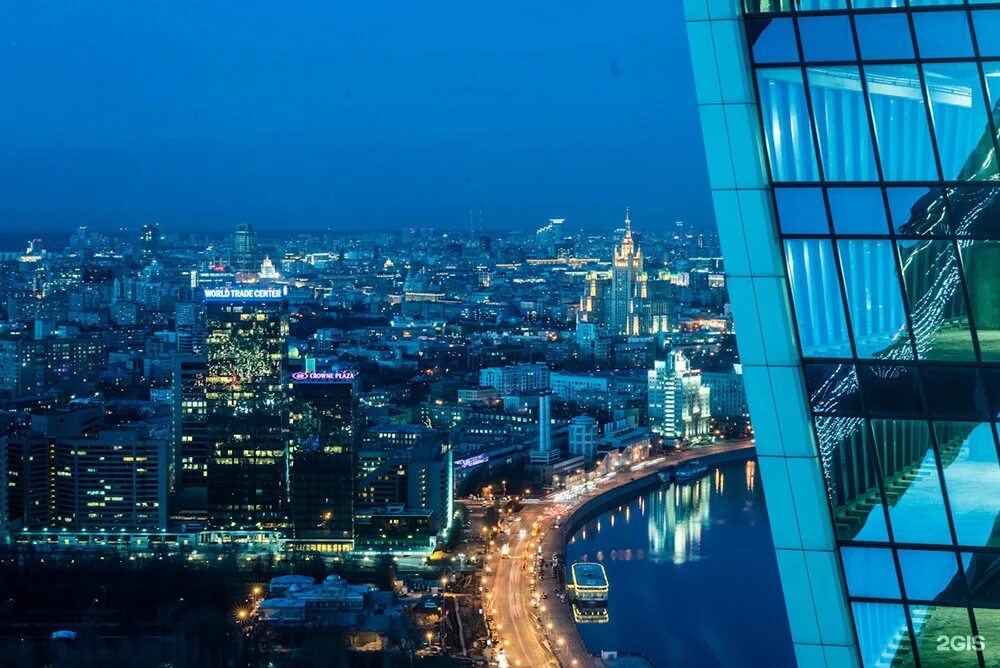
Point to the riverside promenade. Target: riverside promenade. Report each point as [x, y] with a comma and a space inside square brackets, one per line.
[546, 635]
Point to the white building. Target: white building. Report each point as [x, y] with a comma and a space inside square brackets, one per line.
[679, 404]
[516, 378]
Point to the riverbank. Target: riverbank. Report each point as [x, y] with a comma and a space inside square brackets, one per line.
[547, 635]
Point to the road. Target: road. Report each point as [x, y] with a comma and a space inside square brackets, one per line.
[546, 635]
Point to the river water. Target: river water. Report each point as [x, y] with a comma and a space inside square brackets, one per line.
[692, 574]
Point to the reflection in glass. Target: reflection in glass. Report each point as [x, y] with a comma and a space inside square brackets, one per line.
[964, 139]
[912, 488]
[786, 125]
[975, 211]
[972, 478]
[874, 298]
[988, 623]
[819, 309]
[881, 630]
[870, 572]
[931, 575]
[981, 264]
[904, 140]
[833, 389]
[987, 24]
[982, 572]
[954, 392]
[937, 302]
[930, 624]
[851, 479]
[891, 390]
[918, 212]
[842, 123]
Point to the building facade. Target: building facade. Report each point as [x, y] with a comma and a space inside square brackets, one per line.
[246, 407]
[323, 447]
[679, 403]
[849, 152]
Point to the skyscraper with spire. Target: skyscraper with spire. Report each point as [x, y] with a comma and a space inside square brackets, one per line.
[626, 300]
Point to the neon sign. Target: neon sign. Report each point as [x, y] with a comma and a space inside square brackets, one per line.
[245, 293]
[342, 375]
[471, 461]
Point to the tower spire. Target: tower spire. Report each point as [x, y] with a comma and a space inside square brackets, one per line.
[628, 224]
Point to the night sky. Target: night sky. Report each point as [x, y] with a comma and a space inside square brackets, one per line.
[347, 116]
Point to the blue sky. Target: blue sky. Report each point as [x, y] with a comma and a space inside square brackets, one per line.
[317, 115]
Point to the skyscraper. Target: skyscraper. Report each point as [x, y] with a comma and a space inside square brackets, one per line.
[246, 406]
[149, 240]
[245, 258]
[849, 154]
[626, 300]
[323, 447]
[679, 405]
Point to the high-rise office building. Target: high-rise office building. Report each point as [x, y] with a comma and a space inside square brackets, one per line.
[246, 406]
[323, 447]
[244, 259]
[850, 154]
[190, 424]
[149, 240]
[679, 403]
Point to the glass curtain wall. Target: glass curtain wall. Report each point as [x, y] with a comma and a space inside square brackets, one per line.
[881, 127]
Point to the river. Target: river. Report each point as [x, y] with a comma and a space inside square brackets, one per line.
[692, 573]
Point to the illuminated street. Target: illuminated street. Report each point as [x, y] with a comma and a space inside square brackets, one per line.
[546, 635]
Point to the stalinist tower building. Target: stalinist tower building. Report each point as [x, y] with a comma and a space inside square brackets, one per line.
[621, 299]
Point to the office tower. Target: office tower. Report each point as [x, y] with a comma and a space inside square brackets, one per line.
[246, 390]
[323, 447]
[516, 378]
[115, 480]
[679, 403]
[4, 488]
[850, 155]
[190, 425]
[583, 438]
[245, 250]
[189, 323]
[149, 240]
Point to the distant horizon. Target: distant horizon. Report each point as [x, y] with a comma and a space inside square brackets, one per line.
[347, 116]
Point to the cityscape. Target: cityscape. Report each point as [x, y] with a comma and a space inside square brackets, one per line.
[704, 376]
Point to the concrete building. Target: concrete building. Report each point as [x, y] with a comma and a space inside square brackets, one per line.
[583, 438]
[679, 403]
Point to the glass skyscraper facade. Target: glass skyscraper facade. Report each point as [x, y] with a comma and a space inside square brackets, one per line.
[852, 151]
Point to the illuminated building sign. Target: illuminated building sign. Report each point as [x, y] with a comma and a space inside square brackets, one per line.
[469, 462]
[340, 376]
[231, 293]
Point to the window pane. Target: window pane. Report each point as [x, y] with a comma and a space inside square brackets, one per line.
[874, 299]
[884, 36]
[870, 572]
[816, 296]
[992, 74]
[954, 392]
[981, 264]
[833, 389]
[904, 141]
[972, 478]
[987, 23]
[786, 125]
[909, 468]
[975, 211]
[964, 138]
[943, 637]
[857, 211]
[826, 38]
[842, 123]
[992, 376]
[918, 211]
[851, 479]
[881, 630]
[801, 210]
[931, 575]
[937, 302]
[891, 390]
[942, 34]
[982, 572]
[988, 623]
[775, 41]
[806, 5]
